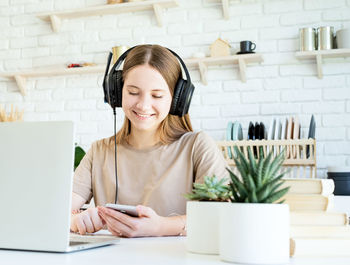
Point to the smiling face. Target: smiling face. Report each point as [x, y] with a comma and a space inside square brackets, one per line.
[146, 98]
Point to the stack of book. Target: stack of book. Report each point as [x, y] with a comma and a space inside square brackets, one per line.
[316, 229]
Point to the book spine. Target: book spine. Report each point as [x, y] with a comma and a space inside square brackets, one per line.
[300, 202]
[320, 231]
[318, 218]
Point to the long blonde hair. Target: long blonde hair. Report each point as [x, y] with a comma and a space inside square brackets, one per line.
[160, 58]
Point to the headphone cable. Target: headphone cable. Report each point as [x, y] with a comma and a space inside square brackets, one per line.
[115, 154]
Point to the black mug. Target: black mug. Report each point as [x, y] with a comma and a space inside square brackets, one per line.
[247, 46]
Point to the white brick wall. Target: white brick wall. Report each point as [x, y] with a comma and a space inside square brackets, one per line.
[280, 86]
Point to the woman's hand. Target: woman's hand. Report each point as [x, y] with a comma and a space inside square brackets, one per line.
[149, 223]
[87, 221]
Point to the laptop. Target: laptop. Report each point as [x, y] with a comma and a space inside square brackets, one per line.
[36, 179]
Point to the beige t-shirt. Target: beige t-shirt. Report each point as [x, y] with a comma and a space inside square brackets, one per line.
[156, 177]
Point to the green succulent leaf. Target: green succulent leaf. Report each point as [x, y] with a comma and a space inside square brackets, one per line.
[259, 179]
[212, 189]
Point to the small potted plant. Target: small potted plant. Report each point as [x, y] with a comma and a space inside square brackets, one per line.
[254, 228]
[79, 154]
[203, 212]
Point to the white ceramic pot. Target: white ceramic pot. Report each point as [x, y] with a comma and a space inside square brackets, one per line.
[343, 38]
[203, 226]
[254, 233]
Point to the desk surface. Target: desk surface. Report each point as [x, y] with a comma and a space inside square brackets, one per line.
[165, 250]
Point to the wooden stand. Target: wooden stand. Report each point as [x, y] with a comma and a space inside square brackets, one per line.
[300, 154]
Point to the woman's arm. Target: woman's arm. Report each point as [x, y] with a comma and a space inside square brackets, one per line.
[174, 226]
[77, 201]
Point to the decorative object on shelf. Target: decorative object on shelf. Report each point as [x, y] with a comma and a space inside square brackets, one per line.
[202, 215]
[307, 39]
[318, 55]
[325, 38]
[311, 39]
[254, 229]
[117, 51]
[79, 153]
[220, 48]
[14, 114]
[73, 65]
[246, 46]
[343, 38]
[156, 5]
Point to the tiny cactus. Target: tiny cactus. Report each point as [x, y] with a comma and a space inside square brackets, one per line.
[212, 189]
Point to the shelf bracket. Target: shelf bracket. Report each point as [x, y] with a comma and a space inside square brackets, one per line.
[225, 9]
[319, 66]
[55, 22]
[158, 11]
[203, 69]
[21, 83]
[242, 70]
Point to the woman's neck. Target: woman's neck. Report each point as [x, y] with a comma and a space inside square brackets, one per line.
[142, 139]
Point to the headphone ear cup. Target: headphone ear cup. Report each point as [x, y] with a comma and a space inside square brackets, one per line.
[182, 98]
[176, 96]
[187, 98]
[119, 88]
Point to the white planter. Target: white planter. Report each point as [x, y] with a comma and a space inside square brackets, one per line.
[254, 233]
[203, 226]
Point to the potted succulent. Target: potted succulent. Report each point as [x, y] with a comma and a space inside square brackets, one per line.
[203, 212]
[254, 228]
[79, 153]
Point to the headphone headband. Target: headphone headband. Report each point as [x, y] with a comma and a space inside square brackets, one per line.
[123, 56]
[113, 85]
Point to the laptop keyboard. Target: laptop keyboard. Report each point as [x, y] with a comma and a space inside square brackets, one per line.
[76, 239]
[75, 243]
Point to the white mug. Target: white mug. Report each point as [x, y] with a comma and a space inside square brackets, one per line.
[343, 38]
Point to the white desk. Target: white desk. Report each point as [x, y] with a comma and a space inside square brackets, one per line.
[166, 250]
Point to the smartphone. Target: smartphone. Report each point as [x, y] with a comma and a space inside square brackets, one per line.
[126, 209]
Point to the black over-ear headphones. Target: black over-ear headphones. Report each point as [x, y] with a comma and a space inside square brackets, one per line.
[113, 86]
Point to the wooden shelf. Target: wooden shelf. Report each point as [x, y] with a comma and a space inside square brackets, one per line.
[202, 63]
[242, 60]
[320, 55]
[20, 77]
[225, 9]
[156, 5]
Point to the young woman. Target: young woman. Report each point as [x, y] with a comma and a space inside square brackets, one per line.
[159, 156]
